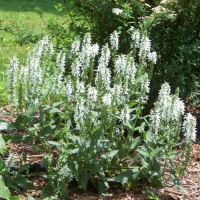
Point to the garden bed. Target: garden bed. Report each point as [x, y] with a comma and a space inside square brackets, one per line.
[190, 182]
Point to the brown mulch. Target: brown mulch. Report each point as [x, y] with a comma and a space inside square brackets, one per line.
[190, 182]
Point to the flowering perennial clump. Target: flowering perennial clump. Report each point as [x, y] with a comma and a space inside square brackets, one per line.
[102, 95]
[29, 83]
[166, 117]
[168, 112]
[189, 128]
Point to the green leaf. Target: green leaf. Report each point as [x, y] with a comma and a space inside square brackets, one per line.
[128, 125]
[152, 195]
[6, 126]
[156, 166]
[134, 142]
[21, 121]
[101, 188]
[51, 110]
[30, 198]
[54, 143]
[73, 151]
[103, 178]
[45, 92]
[24, 167]
[17, 138]
[127, 176]
[155, 179]
[68, 125]
[47, 130]
[57, 104]
[39, 147]
[132, 103]
[4, 191]
[2, 145]
[176, 183]
[75, 139]
[84, 180]
[144, 163]
[143, 153]
[24, 183]
[2, 164]
[148, 136]
[12, 137]
[27, 138]
[175, 180]
[31, 110]
[13, 187]
[47, 191]
[174, 155]
[54, 110]
[14, 198]
[141, 127]
[112, 154]
[156, 152]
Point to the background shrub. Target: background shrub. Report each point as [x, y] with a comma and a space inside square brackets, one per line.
[173, 27]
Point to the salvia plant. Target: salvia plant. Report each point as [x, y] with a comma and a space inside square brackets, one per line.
[89, 104]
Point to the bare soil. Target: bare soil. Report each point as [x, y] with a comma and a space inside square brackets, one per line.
[190, 182]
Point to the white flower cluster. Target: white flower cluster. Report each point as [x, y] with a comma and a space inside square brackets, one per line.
[10, 161]
[76, 69]
[117, 11]
[105, 56]
[59, 73]
[65, 172]
[87, 86]
[107, 99]
[79, 113]
[161, 10]
[12, 81]
[92, 94]
[189, 128]
[126, 67]
[135, 36]
[144, 44]
[171, 107]
[75, 47]
[108, 92]
[167, 116]
[114, 40]
[34, 73]
[84, 56]
[68, 88]
[125, 114]
[144, 89]
[168, 1]
[30, 78]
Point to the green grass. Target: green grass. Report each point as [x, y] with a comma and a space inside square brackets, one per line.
[23, 13]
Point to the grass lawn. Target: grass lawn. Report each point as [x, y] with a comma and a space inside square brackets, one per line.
[22, 13]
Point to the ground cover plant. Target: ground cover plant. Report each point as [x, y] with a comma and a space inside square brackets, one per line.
[94, 117]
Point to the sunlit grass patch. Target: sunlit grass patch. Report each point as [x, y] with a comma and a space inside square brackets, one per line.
[19, 19]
